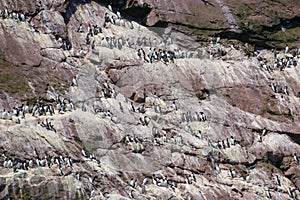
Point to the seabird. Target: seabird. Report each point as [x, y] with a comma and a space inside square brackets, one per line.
[106, 85]
[60, 172]
[286, 49]
[131, 194]
[79, 30]
[296, 158]
[232, 140]
[74, 82]
[10, 164]
[154, 181]
[232, 173]
[203, 116]
[5, 13]
[25, 166]
[30, 164]
[38, 162]
[110, 7]
[93, 44]
[4, 114]
[58, 162]
[174, 106]
[259, 138]
[16, 120]
[268, 194]
[248, 178]
[91, 179]
[188, 180]
[142, 121]
[277, 180]
[193, 177]
[5, 164]
[121, 107]
[290, 192]
[84, 153]
[22, 17]
[158, 108]
[144, 181]
[114, 119]
[70, 162]
[286, 92]
[92, 193]
[132, 107]
[264, 132]
[132, 183]
[179, 140]
[119, 15]
[78, 176]
[163, 182]
[36, 153]
[48, 161]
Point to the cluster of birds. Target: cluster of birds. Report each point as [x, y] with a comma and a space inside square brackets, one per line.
[156, 51]
[40, 108]
[65, 43]
[279, 88]
[262, 134]
[134, 143]
[37, 161]
[150, 53]
[155, 55]
[216, 49]
[280, 61]
[116, 19]
[64, 164]
[223, 144]
[232, 173]
[93, 30]
[112, 42]
[187, 117]
[18, 16]
[160, 139]
[159, 180]
[107, 91]
[48, 125]
[226, 143]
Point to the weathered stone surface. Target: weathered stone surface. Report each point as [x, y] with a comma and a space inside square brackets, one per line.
[262, 23]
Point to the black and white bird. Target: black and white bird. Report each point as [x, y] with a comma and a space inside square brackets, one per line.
[264, 132]
[79, 30]
[296, 158]
[74, 82]
[174, 106]
[145, 181]
[132, 183]
[277, 180]
[259, 138]
[248, 178]
[36, 155]
[119, 15]
[286, 50]
[268, 194]
[110, 7]
[232, 173]
[84, 153]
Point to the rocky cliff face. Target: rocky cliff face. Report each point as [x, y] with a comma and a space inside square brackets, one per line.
[212, 123]
[270, 24]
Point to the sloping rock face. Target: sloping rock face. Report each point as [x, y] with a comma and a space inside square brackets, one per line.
[214, 123]
[269, 24]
